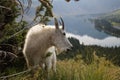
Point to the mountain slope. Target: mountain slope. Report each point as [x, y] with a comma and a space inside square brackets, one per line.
[109, 23]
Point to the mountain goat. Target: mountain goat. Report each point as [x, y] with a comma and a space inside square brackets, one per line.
[40, 38]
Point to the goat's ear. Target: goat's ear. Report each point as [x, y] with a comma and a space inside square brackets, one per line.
[56, 23]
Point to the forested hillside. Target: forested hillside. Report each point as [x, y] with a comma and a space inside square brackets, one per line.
[110, 53]
[109, 23]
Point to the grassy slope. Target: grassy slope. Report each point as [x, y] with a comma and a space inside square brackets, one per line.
[114, 14]
[77, 69]
[109, 23]
[117, 12]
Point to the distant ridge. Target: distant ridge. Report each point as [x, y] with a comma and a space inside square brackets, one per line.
[111, 13]
[117, 11]
[114, 12]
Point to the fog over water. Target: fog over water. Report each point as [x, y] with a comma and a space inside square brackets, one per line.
[87, 40]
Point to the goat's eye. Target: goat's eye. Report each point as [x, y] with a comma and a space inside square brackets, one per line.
[64, 34]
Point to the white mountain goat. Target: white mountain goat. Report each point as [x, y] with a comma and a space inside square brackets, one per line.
[40, 38]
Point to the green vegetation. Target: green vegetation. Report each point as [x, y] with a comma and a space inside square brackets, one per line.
[115, 24]
[117, 12]
[76, 69]
[109, 23]
[10, 10]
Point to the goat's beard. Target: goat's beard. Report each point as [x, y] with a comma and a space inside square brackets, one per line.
[58, 51]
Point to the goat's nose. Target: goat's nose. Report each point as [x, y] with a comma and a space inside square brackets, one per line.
[69, 49]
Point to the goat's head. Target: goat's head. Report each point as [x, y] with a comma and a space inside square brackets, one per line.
[59, 38]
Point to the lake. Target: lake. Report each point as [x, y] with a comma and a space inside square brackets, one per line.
[82, 29]
[76, 16]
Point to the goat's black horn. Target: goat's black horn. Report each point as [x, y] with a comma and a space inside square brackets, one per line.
[56, 23]
[62, 23]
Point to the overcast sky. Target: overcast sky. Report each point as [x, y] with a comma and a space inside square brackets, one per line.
[61, 7]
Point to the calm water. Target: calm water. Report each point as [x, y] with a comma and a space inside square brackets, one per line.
[82, 29]
[76, 15]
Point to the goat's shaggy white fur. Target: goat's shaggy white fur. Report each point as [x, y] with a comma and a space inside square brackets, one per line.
[35, 44]
[50, 61]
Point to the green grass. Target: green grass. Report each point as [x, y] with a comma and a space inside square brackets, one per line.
[77, 69]
[116, 24]
[117, 12]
